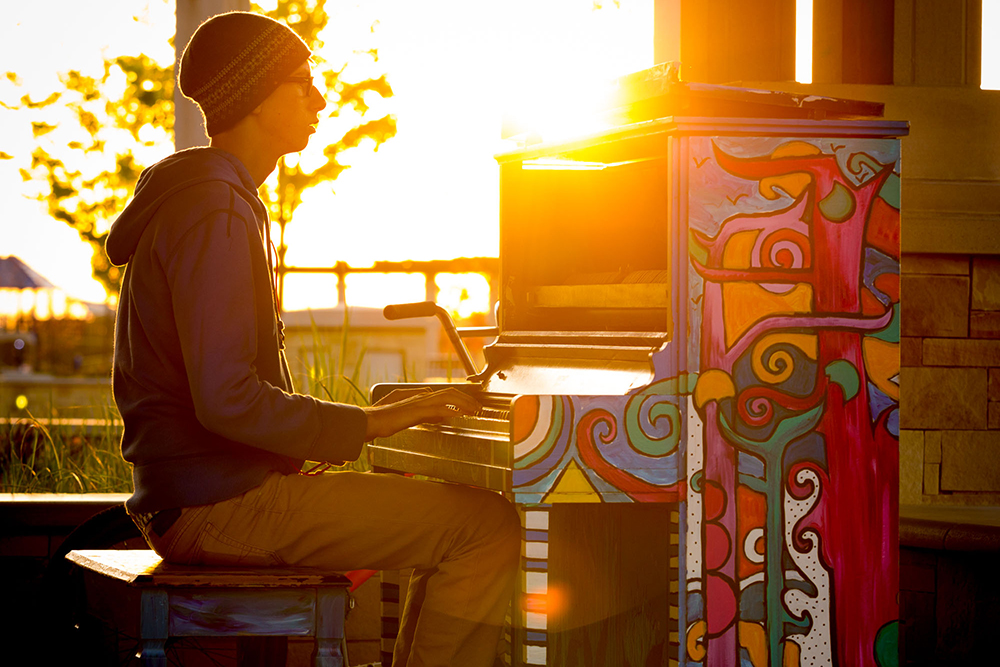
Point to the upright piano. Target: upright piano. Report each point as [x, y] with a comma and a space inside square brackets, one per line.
[699, 317]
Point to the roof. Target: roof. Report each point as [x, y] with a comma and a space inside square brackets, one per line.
[14, 273]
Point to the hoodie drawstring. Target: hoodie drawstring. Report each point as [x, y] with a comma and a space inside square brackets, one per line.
[273, 274]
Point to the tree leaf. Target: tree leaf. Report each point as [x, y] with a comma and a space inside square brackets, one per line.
[51, 99]
[41, 128]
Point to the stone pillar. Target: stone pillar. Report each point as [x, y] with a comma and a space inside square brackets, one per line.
[950, 351]
[189, 129]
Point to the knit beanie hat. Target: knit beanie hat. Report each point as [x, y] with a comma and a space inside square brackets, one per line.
[233, 62]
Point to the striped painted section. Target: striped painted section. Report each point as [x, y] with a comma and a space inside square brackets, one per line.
[674, 560]
[533, 627]
[389, 605]
[505, 650]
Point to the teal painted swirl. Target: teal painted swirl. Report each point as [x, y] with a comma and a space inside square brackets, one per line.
[663, 416]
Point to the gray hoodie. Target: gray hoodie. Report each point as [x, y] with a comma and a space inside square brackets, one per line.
[199, 377]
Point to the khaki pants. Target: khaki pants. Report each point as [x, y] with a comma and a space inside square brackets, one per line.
[462, 543]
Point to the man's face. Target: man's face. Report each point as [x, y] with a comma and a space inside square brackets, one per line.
[289, 115]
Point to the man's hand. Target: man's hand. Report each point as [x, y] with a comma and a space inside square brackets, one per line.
[403, 408]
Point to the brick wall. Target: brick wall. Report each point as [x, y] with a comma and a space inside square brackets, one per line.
[950, 379]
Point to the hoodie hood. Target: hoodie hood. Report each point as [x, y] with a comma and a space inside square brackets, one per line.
[166, 178]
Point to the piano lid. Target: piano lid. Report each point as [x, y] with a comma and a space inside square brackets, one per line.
[658, 92]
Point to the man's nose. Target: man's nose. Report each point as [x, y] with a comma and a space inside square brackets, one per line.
[317, 99]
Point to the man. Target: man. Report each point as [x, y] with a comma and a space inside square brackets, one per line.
[214, 432]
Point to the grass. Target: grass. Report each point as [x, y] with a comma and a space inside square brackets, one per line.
[328, 378]
[327, 370]
[36, 457]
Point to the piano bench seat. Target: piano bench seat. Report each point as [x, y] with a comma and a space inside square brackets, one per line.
[134, 590]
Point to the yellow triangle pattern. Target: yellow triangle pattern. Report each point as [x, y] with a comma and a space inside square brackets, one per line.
[572, 487]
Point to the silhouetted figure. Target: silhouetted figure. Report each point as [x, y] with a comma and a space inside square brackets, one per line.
[214, 430]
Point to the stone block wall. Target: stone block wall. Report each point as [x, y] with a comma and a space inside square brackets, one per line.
[950, 379]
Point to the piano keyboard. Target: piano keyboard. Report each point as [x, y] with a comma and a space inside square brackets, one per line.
[467, 449]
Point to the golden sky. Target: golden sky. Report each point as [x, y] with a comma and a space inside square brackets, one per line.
[430, 192]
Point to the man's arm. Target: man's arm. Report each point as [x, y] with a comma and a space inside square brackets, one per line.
[211, 276]
[211, 279]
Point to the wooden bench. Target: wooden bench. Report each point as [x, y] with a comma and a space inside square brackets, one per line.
[162, 600]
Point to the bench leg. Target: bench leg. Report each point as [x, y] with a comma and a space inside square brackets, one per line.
[153, 628]
[331, 608]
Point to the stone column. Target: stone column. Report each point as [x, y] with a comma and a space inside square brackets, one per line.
[189, 129]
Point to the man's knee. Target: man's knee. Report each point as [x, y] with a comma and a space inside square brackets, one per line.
[502, 520]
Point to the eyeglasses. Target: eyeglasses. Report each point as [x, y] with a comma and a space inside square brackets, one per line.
[305, 83]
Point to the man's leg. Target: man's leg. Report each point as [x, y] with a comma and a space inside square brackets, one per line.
[463, 544]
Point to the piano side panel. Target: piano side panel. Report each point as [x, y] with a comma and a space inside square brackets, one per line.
[611, 592]
[793, 478]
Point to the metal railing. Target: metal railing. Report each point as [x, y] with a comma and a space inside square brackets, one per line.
[488, 267]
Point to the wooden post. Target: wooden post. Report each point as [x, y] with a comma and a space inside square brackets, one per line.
[867, 50]
[189, 128]
[937, 43]
[828, 41]
[666, 31]
[725, 41]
